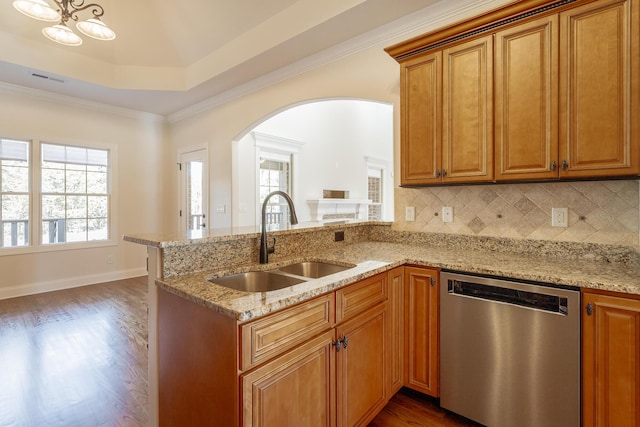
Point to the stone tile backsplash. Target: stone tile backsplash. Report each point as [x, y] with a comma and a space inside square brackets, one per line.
[599, 211]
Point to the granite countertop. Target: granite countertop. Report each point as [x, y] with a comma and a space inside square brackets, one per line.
[371, 258]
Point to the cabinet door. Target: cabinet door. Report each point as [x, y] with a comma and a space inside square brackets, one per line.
[296, 389]
[422, 363]
[361, 367]
[599, 89]
[526, 101]
[610, 361]
[395, 349]
[420, 95]
[467, 105]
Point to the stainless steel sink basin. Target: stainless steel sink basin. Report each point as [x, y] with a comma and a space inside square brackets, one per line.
[313, 269]
[257, 281]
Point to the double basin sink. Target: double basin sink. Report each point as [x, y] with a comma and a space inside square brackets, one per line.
[281, 277]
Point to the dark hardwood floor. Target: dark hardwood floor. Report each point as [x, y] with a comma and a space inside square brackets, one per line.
[78, 357]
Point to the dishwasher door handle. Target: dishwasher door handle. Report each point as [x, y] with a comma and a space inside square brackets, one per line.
[535, 300]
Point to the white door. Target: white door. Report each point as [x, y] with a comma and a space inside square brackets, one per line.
[194, 190]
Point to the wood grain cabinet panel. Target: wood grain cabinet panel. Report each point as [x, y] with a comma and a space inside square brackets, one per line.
[395, 349]
[422, 351]
[526, 100]
[599, 96]
[610, 361]
[359, 296]
[296, 389]
[271, 335]
[420, 104]
[467, 111]
[361, 367]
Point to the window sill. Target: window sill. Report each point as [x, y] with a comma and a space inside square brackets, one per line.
[56, 247]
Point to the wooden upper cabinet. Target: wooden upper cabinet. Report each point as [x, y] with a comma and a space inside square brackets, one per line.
[610, 361]
[421, 83]
[467, 111]
[553, 95]
[599, 108]
[526, 100]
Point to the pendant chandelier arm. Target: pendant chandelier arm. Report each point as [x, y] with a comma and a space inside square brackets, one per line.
[69, 9]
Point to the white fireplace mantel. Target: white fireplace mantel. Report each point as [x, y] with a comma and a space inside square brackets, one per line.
[321, 207]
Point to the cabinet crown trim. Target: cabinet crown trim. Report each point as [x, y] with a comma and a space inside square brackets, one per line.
[487, 22]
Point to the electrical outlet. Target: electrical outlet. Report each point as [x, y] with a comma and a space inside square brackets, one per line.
[410, 213]
[109, 259]
[447, 214]
[559, 217]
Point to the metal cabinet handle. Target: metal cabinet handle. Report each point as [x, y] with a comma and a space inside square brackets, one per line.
[342, 342]
[444, 173]
[433, 281]
[589, 309]
[437, 173]
[565, 165]
[554, 166]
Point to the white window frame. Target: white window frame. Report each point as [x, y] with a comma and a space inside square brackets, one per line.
[264, 144]
[35, 220]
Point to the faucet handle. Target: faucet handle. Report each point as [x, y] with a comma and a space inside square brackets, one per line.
[272, 249]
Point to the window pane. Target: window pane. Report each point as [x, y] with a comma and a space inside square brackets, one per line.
[76, 181]
[53, 180]
[15, 207]
[76, 207]
[79, 208]
[98, 206]
[96, 183]
[98, 229]
[15, 179]
[53, 207]
[76, 230]
[15, 195]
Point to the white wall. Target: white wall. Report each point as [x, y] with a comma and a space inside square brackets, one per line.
[27, 114]
[337, 135]
[370, 74]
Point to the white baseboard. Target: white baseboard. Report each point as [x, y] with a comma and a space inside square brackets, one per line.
[70, 282]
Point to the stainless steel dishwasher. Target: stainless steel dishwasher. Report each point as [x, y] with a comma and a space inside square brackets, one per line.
[509, 352]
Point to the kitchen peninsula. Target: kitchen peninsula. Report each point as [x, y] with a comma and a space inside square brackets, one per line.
[180, 269]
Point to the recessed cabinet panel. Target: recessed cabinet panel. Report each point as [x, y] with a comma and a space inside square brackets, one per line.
[467, 104]
[422, 351]
[526, 106]
[598, 55]
[610, 361]
[293, 390]
[420, 139]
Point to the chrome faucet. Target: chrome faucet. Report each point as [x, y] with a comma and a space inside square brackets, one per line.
[265, 250]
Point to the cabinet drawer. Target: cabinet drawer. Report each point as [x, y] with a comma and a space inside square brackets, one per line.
[272, 335]
[356, 298]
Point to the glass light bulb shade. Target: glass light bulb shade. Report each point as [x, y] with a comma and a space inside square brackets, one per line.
[37, 9]
[96, 28]
[62, 34]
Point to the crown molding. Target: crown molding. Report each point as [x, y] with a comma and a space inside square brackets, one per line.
[444, 12]
[42, 95]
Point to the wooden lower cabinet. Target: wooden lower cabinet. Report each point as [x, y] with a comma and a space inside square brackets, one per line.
[361, 367]
[334, 360]
[296, 389]
[610, 360]
[422, 351]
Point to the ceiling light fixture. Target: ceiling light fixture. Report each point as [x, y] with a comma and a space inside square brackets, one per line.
[67, 10]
